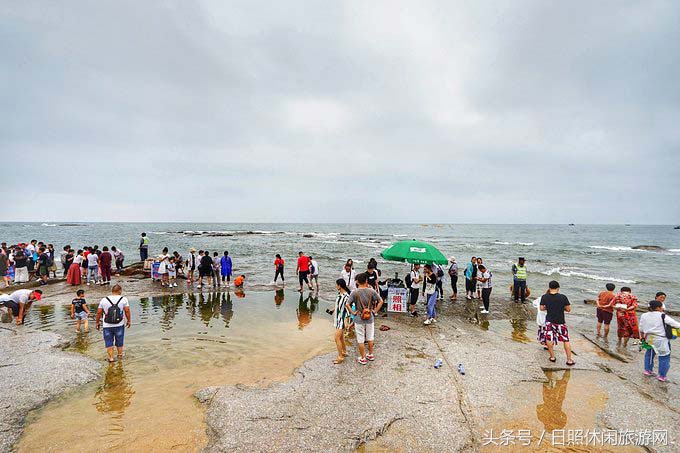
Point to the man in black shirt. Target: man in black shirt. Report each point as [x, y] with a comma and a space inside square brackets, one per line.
[205, 269]
[556, 304]
[372, 277]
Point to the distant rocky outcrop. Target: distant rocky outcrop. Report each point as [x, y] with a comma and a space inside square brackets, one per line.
[651, 248]
[677, 227]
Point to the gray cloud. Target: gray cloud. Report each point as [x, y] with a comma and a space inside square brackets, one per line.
[352, 112]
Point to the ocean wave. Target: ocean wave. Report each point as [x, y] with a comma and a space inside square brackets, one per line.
[674, 250]
[49, 224]
[513, 243]
[158, 232]
[613, 248]
[567, 273]
[399, 235]
[368, 244]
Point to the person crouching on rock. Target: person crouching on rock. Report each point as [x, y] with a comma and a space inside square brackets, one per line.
[115, 311]
[19, 302]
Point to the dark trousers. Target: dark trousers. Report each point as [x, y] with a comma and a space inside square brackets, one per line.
[470, 286]
[106, 273]
[119, 265]
[486, 295]
[143, 253]
[277, 273]
[454, 284]
[440, 289]
[520, 290]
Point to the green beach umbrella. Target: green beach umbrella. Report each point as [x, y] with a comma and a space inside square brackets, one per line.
[414, 252]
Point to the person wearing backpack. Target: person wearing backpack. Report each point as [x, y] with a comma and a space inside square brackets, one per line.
[114, 311]
[364, 302]
[656, 329]
[453, 275]
[439, 272]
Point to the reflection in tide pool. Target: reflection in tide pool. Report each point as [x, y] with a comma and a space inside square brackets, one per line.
[550, 411]
[176, 346]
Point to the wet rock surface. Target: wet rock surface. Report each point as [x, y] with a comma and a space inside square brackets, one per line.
[33, 370]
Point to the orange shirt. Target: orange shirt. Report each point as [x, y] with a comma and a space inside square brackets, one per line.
[605, 298]
[238, 281]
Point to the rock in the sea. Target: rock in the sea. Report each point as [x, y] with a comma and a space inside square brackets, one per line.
[307, 235]
[677, 227]
[651, 248]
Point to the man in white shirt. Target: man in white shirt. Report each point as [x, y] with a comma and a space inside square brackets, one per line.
[314, 273]
[349, 275]
[484, 277]
[115, 311]
[414, 289]
[19, 302]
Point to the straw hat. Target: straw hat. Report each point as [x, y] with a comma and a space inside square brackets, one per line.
[193, 250]
[452, 259]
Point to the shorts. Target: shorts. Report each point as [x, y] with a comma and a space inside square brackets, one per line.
[365, 332]
[555, 333]
[604, 317]
[302, 276]
[81, 316]
[204, 273]
[11, 305]
[314, 277]
[114, 334]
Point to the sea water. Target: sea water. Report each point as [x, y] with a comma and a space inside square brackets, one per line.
[583, 258]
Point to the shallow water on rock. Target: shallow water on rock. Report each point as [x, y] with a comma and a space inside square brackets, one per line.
[176, 346]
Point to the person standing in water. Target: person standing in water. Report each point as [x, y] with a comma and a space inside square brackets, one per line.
[605, 309]
[519, 272]
[143, 248]
[484, 278]
[226, 268]
[470, 284]
[313, 273]
[191, 265]
[302, 270]
[626, 319]
[114, 310]
[79, 310]
[278, 268]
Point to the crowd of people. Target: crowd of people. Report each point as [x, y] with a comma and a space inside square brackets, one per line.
[360, 295]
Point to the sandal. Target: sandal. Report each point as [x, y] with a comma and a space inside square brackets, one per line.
[572, 363]
[553, 359]
[338, 361]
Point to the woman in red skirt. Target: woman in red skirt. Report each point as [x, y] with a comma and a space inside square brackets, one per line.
[73, 277]
[626, 319]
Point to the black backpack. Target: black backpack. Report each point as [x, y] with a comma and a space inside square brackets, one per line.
[440, 272]
[666, 327]
[408, 280]
[114, 314]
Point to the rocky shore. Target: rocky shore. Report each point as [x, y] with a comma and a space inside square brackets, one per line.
[34, 369]
[399, 402]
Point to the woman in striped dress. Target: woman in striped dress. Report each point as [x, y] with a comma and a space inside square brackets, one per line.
[340, 318]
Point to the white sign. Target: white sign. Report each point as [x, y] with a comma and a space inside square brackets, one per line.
[418, 250]
[397, 300]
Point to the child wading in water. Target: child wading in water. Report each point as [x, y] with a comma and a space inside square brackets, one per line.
[79, 310]
[172, 272]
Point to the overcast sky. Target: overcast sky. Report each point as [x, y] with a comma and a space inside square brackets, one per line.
[317, 111]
